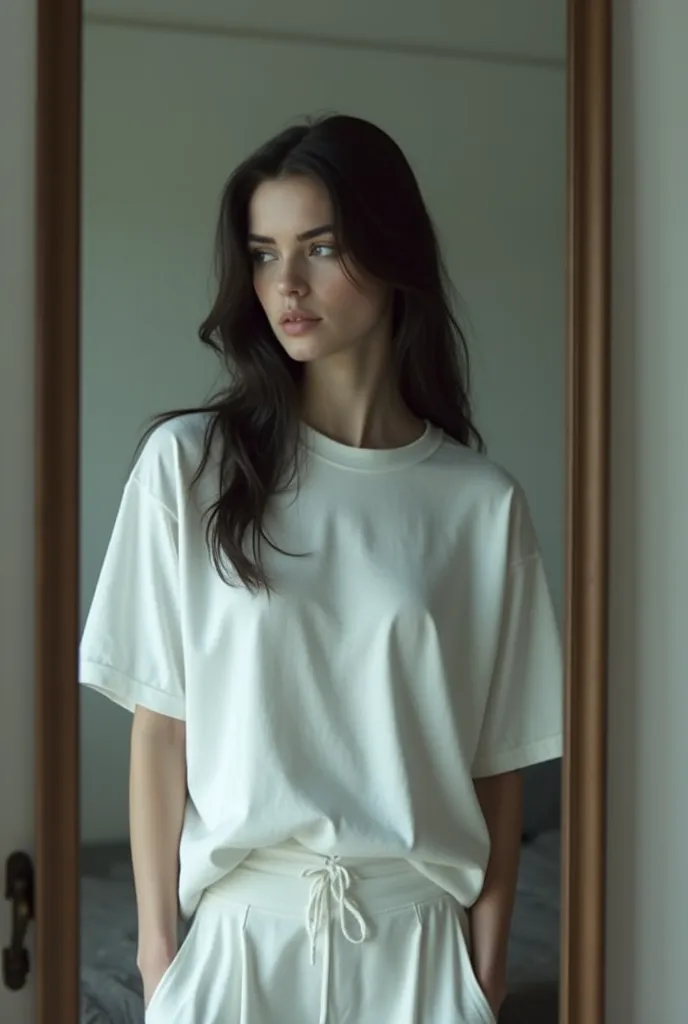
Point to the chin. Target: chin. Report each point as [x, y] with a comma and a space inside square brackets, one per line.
[304, 350]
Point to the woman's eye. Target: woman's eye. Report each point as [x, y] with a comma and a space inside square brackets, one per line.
[260, 256]
[323, 249]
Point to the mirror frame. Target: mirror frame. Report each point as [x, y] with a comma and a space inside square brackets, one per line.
[588, 258]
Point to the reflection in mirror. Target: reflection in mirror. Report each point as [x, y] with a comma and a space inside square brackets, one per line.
[325, 598]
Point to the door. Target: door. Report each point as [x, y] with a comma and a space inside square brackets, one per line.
[17, 120]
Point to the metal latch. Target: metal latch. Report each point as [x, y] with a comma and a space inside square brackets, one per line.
[19, 890]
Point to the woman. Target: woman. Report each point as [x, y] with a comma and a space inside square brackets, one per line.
[327, 611]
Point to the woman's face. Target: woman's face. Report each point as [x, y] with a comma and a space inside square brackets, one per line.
[313, 307]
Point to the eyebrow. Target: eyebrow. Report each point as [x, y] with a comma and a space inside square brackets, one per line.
[324, 229]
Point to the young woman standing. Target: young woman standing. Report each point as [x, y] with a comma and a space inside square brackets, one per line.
[327, 610]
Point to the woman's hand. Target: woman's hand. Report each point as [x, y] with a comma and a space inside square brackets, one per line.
[152, 971]
[494, 990]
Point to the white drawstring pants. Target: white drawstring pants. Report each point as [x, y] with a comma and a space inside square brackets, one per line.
[290, 937]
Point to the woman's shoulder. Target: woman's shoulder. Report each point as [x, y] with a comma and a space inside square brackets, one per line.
[478, 470]
[184, 432]
[486, 489]
[171, 456]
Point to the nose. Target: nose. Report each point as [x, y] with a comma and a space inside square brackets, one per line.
[291, 282]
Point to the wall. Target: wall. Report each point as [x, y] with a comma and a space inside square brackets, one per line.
[531, 29]
[647, 892]
[487, 139]
[17, 102]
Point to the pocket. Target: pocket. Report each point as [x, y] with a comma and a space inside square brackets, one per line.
[479, 998]
[170, 974]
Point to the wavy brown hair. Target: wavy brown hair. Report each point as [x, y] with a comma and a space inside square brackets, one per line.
[382, 225]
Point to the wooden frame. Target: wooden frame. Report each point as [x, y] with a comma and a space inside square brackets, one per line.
[588, 359]
[57, 597]
[58, 198]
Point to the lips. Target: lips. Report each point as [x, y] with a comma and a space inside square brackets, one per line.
[297, 316]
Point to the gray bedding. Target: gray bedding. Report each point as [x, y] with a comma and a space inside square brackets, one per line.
[110, 985]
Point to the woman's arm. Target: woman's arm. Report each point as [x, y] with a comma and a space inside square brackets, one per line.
[157, 797]
[501, 801]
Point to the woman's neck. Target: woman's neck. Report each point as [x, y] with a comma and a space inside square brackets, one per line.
[376, 424]
[353, 397]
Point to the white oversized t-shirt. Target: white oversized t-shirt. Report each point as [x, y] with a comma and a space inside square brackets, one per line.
[409, 648]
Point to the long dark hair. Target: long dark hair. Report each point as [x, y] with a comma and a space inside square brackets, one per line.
[382, 225]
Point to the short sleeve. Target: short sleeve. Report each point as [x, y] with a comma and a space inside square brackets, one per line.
[131, 648]
[522, 723]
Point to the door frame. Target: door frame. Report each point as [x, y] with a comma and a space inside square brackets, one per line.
[58, 227]
[588, 265]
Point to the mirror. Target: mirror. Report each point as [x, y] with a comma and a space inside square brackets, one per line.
[171, 106]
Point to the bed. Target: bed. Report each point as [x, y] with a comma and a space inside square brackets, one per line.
[110, 984]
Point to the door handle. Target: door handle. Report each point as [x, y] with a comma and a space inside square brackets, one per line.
[19, 890]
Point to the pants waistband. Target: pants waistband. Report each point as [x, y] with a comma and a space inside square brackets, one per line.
[281, 878]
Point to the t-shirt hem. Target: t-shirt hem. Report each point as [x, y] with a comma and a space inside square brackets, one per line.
[521, 757]
[128, 692]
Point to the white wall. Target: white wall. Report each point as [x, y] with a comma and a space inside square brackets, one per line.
[17, 104]
[533, 30]
[647, 893]
[487, 140]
